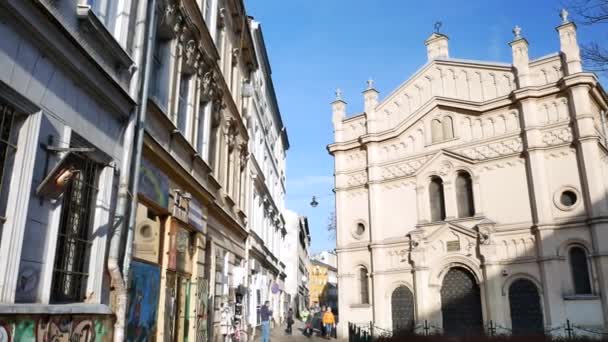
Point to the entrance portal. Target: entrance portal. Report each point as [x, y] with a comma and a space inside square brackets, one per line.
[526, 312]
[461, 303]
[402, 308]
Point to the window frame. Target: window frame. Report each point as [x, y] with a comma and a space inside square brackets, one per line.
[573, 267]
[441, 193]
[85, 231]
[364, 297]
[468, 192]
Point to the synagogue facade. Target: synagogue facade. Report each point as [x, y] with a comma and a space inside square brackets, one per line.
[474, 193]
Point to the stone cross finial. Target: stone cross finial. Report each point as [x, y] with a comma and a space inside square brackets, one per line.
[370, 83]
[564, 15]
[517, 32]
[437, 26]
[338, 94]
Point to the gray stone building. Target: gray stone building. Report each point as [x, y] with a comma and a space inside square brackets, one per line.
[69, 79]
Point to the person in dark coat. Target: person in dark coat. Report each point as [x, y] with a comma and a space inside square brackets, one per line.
[289, 321]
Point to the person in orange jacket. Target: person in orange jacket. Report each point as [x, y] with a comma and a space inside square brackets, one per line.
[329, 322]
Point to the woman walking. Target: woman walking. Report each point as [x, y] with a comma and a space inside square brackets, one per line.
[329, 322]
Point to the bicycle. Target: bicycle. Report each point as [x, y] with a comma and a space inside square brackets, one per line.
[239, 335]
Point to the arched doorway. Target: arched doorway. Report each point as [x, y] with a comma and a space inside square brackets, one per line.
[402, 309]
[526, 311]
[461, 303]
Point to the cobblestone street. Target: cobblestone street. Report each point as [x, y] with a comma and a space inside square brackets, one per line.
[278, 335]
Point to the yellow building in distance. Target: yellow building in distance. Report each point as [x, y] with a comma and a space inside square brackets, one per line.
[323, 284]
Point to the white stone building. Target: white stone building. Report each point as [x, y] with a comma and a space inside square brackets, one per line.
[475, 192]
[296, 257]
[268, 147]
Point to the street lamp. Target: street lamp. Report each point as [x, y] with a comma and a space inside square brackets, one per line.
[314, 202]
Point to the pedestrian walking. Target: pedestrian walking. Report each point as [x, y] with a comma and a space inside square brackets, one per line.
[322, 310]
[308, 321]
[329, 322]
[266, 315]
[289, 321]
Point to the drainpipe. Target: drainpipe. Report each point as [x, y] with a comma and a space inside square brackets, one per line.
[128, 179]
[140, 131]
[603, 119]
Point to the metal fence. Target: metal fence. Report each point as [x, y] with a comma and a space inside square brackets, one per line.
[368, 332]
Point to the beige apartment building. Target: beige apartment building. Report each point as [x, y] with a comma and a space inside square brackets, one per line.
[475, 192]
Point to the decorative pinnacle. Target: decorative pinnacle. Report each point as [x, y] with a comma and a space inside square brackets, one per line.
[338, 94]
[517, 32]
[370, 83]
[564, 15]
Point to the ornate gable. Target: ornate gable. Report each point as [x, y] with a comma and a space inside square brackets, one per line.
[445, 78]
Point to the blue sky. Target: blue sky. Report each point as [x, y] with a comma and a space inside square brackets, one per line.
[318, 45]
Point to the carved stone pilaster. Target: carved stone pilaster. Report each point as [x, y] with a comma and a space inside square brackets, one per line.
[170, 19]
[244, 155]
[190, 57]
[229, 134]
[235, 56]
[221, 18]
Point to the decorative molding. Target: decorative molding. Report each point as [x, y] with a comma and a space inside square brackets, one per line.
[493, 150]
[355, 159]
[399, 185]
[357, 179]
[356, 193]
[501, 165]
[557, 136]
[406, 168]
[107, 40]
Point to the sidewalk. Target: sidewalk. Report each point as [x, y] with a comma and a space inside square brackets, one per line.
[278, 334]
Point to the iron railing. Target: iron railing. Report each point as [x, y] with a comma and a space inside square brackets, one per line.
[368, 332]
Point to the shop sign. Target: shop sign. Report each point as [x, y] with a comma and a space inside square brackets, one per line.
[275, 288]
[196, 216]
[153, 183]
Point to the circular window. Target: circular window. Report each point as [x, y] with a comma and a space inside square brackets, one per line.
[146, 231]
[568, 198]
[358, 230]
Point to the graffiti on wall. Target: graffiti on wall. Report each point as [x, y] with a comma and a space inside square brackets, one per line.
[60, 328]
[202, 310]
[153, 183]
[143, 301]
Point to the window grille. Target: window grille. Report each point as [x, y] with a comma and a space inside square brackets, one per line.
[70, 273]
[8, 149]
[580, 270]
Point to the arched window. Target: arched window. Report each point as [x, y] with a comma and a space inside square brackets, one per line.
[464, 195]
[579, 270]
[437, 199]
[436, 131]
[448, 128]
[364, 285]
